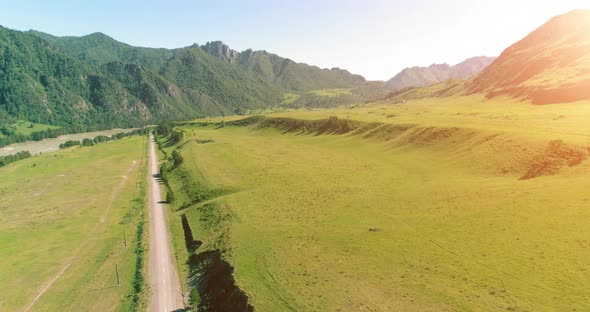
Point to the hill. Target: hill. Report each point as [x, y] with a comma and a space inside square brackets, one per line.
[435, 73]
[550, 65]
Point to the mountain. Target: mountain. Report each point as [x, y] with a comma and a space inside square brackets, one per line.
[206, 84]
[95, 81]
[220, 50]
[274, 70]
[42, 84]
[435, 73]
[550, 65]
[284, 72]
[99, 49]
[231, 88]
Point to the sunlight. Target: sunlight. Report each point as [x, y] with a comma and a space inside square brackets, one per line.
[384, 155]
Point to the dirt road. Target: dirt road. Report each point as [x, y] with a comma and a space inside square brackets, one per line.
[166, 293]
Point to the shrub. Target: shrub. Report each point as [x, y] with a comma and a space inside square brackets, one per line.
[69, 143]
[87, 142]
[5, 160]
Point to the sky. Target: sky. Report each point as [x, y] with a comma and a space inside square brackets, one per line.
[373, 38]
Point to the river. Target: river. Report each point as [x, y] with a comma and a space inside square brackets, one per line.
[51, 145]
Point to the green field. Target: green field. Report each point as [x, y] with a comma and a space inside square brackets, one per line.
[289, 201]
[331, 92]
[26, 128]
[290, 98]
[321, 98]
[63, 217]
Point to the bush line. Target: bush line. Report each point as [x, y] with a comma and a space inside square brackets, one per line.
[137, 281]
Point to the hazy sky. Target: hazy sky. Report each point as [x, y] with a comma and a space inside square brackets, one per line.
[374, 38]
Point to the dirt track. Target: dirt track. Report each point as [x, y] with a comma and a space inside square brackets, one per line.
[166, 293]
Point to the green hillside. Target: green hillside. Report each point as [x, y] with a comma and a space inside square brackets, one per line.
[203, 84]
[41, 84]
[99, 49]
[296, 76]
[94, 81]
[211, 79]
[178, 83]
[229, 87]
[284, 72]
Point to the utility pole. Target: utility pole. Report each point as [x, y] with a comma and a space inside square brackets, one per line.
[124, 238]
[117, 272]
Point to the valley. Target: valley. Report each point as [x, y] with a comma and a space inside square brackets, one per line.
[204, 178]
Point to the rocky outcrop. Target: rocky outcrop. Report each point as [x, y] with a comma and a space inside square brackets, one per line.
[221, 50]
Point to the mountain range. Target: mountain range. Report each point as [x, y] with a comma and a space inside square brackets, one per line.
[99, 82]
[551, 65]
[95, 81]
[435, 73]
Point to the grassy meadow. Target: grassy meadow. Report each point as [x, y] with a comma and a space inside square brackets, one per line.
[331, 92]
[475, 208]
[63, 217]
[26, 128]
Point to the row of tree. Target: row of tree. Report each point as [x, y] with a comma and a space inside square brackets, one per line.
[5, 160]
[10, 136]
[103, 138]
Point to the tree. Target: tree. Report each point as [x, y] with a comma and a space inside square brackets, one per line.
[87, 142]
[176, 159]
[69, 143]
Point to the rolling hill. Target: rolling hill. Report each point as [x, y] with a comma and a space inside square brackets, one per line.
[550, 65]
[435, 73]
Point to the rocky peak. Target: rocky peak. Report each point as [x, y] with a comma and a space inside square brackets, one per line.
[220, 50]
[442, 66]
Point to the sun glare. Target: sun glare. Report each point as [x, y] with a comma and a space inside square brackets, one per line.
[378, 155]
